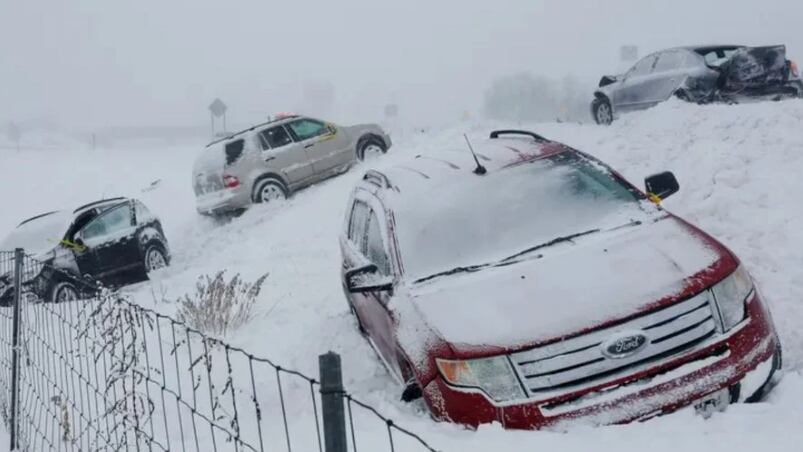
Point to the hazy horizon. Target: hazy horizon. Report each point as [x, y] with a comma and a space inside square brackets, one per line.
[97, 64]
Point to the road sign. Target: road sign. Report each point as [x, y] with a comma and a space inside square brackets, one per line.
[628, 53]
[218, 108]
[13, 132]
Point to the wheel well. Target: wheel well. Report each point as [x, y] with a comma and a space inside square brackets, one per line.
[601, 96]
[370, 138]
[266, 176]
[79, 286]
[158, 244]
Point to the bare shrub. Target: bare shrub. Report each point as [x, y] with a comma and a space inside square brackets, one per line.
[219, 306]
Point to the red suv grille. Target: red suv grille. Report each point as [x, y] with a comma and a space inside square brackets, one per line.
[583, 360]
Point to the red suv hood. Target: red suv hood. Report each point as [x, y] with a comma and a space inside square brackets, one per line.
[573, 288]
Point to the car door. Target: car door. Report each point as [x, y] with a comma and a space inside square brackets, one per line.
[85, 259]
[368, 243]
[281, 153]
[668, 75]
[111, 238]
[632, 93]
[325, 144]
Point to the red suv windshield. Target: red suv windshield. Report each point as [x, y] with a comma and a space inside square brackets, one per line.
[475, 220]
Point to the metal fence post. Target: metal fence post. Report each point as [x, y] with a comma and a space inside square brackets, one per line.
[19, 256]
[334, 417]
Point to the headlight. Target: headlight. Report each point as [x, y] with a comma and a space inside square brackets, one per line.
[731, 294]
[494, 376]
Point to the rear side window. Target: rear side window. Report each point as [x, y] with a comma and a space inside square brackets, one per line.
[668, 61]
[357, 225]
[643, 67]
[275, 137]
[112, 221]
[718, 56]
[234, 151]
[376, 246]
[143, 214]
[305, 128]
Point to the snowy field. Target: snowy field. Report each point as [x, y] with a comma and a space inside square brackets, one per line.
[738, 167]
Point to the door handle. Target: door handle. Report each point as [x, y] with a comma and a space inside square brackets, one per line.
[309, 145]
[270, 158]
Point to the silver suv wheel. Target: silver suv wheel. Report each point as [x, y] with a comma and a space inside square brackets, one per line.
[268, 191]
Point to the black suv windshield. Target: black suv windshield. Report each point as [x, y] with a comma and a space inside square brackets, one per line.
[485, 219]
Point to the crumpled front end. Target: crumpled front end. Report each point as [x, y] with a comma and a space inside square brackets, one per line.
[756, 72]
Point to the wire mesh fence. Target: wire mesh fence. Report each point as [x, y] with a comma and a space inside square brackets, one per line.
[96, 372]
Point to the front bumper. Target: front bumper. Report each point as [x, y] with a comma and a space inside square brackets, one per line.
[741, 360]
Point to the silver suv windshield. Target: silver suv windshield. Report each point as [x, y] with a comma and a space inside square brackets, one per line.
[486, 219]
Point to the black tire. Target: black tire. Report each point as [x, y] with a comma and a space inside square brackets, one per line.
[772, 379]
[63, 291]
[154, 254]
[367, 143]
[602, 111]
[264, 188]
[412, 390]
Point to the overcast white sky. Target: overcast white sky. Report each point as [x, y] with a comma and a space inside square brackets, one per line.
[94, 63]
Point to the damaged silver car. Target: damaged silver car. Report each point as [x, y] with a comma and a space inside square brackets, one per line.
[702, 74]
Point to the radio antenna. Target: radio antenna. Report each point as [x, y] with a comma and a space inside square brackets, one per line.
[479, 170]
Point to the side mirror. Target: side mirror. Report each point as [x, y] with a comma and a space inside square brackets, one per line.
[332, 128]
[367, 279]
[661, 186]
[608, 80]
[75, 245]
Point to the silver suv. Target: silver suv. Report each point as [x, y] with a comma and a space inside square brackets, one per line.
[270, 161]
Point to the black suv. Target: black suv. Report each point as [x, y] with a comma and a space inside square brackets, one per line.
[114, 241]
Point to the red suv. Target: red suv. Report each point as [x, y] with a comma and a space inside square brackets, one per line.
[524, 282]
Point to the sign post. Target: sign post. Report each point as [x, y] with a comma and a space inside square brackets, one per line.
[218, 109]
[14, 134]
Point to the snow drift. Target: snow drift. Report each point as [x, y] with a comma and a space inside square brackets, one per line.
[738, 169]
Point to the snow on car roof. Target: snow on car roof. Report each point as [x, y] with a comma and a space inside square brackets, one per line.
[456, 162]
[99, 204]
[39, 234]
[278, 119]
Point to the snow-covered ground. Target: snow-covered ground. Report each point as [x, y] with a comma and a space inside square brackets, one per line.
[738, 167]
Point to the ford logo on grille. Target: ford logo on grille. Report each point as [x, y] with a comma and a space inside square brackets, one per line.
[624, 344]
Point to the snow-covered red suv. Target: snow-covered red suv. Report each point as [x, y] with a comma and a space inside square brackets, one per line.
[531, 285]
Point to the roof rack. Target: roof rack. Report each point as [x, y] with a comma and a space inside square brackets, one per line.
[41, 215]
[102, 201]
[232, 135]
[376, 178]
[535, 136]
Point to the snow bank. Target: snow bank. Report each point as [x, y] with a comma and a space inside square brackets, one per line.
[738, 169]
